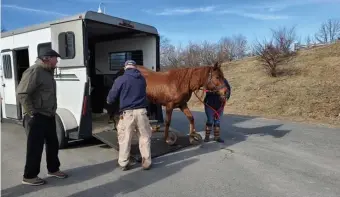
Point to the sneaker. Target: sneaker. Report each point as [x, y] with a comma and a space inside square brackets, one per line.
[34, 181]
[58, 174]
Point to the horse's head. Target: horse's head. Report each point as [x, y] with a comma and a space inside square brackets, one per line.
[215, 81]
[120, 72]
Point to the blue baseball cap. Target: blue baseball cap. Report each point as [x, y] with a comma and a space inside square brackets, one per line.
[130, 63]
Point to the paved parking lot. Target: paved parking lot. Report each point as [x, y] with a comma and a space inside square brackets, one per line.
[260, 158]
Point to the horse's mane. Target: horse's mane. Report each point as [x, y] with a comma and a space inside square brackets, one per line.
[194, 77]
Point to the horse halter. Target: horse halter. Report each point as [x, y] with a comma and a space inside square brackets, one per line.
[215, 88]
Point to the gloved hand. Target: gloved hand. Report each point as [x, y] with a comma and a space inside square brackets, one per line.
[29, 114]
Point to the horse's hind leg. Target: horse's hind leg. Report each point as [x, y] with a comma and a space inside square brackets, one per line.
[195, 138]
[169, 140]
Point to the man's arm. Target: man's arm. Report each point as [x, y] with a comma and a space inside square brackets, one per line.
[28, 84]
[114, 91]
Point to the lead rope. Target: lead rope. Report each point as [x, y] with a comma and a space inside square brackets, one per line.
[216, 114]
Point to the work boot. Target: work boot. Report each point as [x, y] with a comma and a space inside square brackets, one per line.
[207, 133]
[125, 168]
[145, 165]
[34, 181]
[128, 166]
[217, 137]
[111, 119]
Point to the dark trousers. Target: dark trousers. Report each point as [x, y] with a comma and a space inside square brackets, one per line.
[41, 129]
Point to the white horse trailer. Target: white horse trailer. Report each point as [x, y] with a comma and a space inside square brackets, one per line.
[93, 47]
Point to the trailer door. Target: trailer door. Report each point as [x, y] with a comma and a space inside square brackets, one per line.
[8, 75]
[71, 76]
[68, 40]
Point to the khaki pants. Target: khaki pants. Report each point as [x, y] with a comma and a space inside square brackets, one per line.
[132, 121]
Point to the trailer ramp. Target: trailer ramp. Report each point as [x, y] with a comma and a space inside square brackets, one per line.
[108, 135]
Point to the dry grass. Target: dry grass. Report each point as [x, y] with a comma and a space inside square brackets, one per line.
[307, 89]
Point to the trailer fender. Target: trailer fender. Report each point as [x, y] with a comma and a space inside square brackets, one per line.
[67, 118]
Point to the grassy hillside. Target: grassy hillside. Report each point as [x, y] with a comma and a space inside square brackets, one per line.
[308, 88]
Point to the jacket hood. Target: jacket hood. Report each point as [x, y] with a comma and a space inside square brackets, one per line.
[133, 72]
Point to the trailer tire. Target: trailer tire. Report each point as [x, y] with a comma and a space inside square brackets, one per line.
[61, 133]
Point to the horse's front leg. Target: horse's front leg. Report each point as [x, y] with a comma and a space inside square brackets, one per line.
[195, 138]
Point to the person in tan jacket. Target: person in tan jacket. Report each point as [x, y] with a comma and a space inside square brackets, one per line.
[37, 94]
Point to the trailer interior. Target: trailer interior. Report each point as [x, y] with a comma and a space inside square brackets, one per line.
[108, 48]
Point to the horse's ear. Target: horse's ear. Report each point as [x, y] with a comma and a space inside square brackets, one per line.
[217, 65]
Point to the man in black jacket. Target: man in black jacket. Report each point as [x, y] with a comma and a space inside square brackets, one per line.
[37, 94]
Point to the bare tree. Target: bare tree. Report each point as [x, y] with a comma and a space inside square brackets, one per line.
[308, 41]
[284, 38]
[209, 53]
[165, 47]
[329, 31]
[269, 55]
[240, 46]
[278, 49]
[227, 48]
[234, 47]
[169, 55]
[192, 55]
[205, 53]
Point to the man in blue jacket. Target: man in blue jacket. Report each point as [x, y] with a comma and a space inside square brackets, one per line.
[130, 89]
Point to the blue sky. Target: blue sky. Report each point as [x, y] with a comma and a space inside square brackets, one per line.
[186, 20]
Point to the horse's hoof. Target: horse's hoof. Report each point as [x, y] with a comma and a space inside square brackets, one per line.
[172, 138]
[155, 128]
[195, 139]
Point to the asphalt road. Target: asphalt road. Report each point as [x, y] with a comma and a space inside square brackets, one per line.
[261, 158]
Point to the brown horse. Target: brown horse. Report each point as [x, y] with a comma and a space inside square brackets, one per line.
[173, 89]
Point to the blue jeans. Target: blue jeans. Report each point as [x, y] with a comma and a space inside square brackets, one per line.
[211, 121]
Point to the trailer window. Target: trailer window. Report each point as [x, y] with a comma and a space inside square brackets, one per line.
[66, 42]
[43, 47]
[7, 66]
[117, 59]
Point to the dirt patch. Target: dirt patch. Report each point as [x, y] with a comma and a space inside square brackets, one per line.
[307, 88]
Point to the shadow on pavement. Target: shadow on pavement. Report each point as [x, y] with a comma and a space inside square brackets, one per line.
[164, 166]
[168, 165]
[130, 183]
[77, 175]
[231, 125]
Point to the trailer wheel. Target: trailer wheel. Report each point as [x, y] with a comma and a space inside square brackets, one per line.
[62, 138]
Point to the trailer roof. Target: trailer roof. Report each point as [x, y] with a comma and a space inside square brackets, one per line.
[90, 15]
